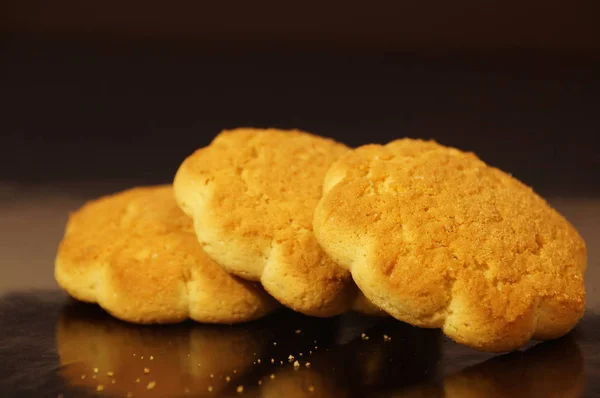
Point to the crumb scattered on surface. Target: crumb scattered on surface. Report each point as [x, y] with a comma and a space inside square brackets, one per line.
[199, 364]
[298, 331]
[110, 374]
[210, 388]
[94, 376]
[316, 347]
[137, 380]
[307, 364]
[281, 362]
[296, 364]
[258, 360]
[146, 370]
[95, 370]
[151, 385]
[212, 375]
[387, 338]
[272, 360]
[82, 377]
[259, 382]
[311, 388]
[364, 336]
[310, 353]
[272, 376]
[227, 379]
[240, 389]
[300, 354]
[130, 394]
[60, 396]
[133, 354]
[99, 387]
[291, 358]
[113, 381]
[142, 357]
[186, 390]
[151, 358]
[274, 343]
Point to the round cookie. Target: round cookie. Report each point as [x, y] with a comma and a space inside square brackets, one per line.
[135, 254]
[252, 195]
[437, 238]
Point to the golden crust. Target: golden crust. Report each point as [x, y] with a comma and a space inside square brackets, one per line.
[135, 254]
[252, 194]
[437, 238]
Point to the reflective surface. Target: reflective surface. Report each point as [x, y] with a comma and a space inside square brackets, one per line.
[52, 345]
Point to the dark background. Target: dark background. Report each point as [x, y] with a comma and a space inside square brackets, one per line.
[122, 91]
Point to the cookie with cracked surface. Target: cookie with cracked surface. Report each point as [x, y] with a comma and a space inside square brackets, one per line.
[252, 194]
[439, 239]
[136, 255]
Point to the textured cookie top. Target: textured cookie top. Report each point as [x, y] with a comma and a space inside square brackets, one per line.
[135, 253]
[252, 195]
[437, 238]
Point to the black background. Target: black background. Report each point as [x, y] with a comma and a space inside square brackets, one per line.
[125, 92]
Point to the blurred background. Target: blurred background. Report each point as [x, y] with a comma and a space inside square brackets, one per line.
[98, 96]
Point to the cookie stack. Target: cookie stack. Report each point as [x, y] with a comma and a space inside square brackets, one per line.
[262, 218]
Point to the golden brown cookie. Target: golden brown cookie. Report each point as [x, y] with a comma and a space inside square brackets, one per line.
[252, 194]
[135, 254]
[437, 238]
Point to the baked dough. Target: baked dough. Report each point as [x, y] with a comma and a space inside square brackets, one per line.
[438, 239]
[135, 254]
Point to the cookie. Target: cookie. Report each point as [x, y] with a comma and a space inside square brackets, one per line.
[438, 239]
[136, 255]
[252, 194]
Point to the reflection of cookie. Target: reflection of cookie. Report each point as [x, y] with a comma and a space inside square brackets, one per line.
[252, 195]
[136, 255]
[437, 238]
[177, 360]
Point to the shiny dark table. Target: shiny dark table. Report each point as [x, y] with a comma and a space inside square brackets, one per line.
[52, 346]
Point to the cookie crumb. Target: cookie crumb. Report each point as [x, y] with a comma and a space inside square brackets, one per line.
[240, 389]
[310, 353]
[307, 364]
[151, 358]
[210, 388]
[137, 380]
[134, 354]
[110, 374]
[316, 347]
[272, 360]
[387, 338]
[272, 376]
[280, 362]
[95, 370]
[129, 394]
[298, 331]
[300, 354]
[142, 357]
[259, 382]
[258, 360]
[227, 379]
[234, 371]
[99, 387]
[364, 336]
[291, 358]
[94, 376]
[113, 381]
[82, 377]
[311, 388]
[146, 370]
[199, 364]
[212, 376]
[274, 343]
[186, 390]
[151, 385]
[296, 365]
